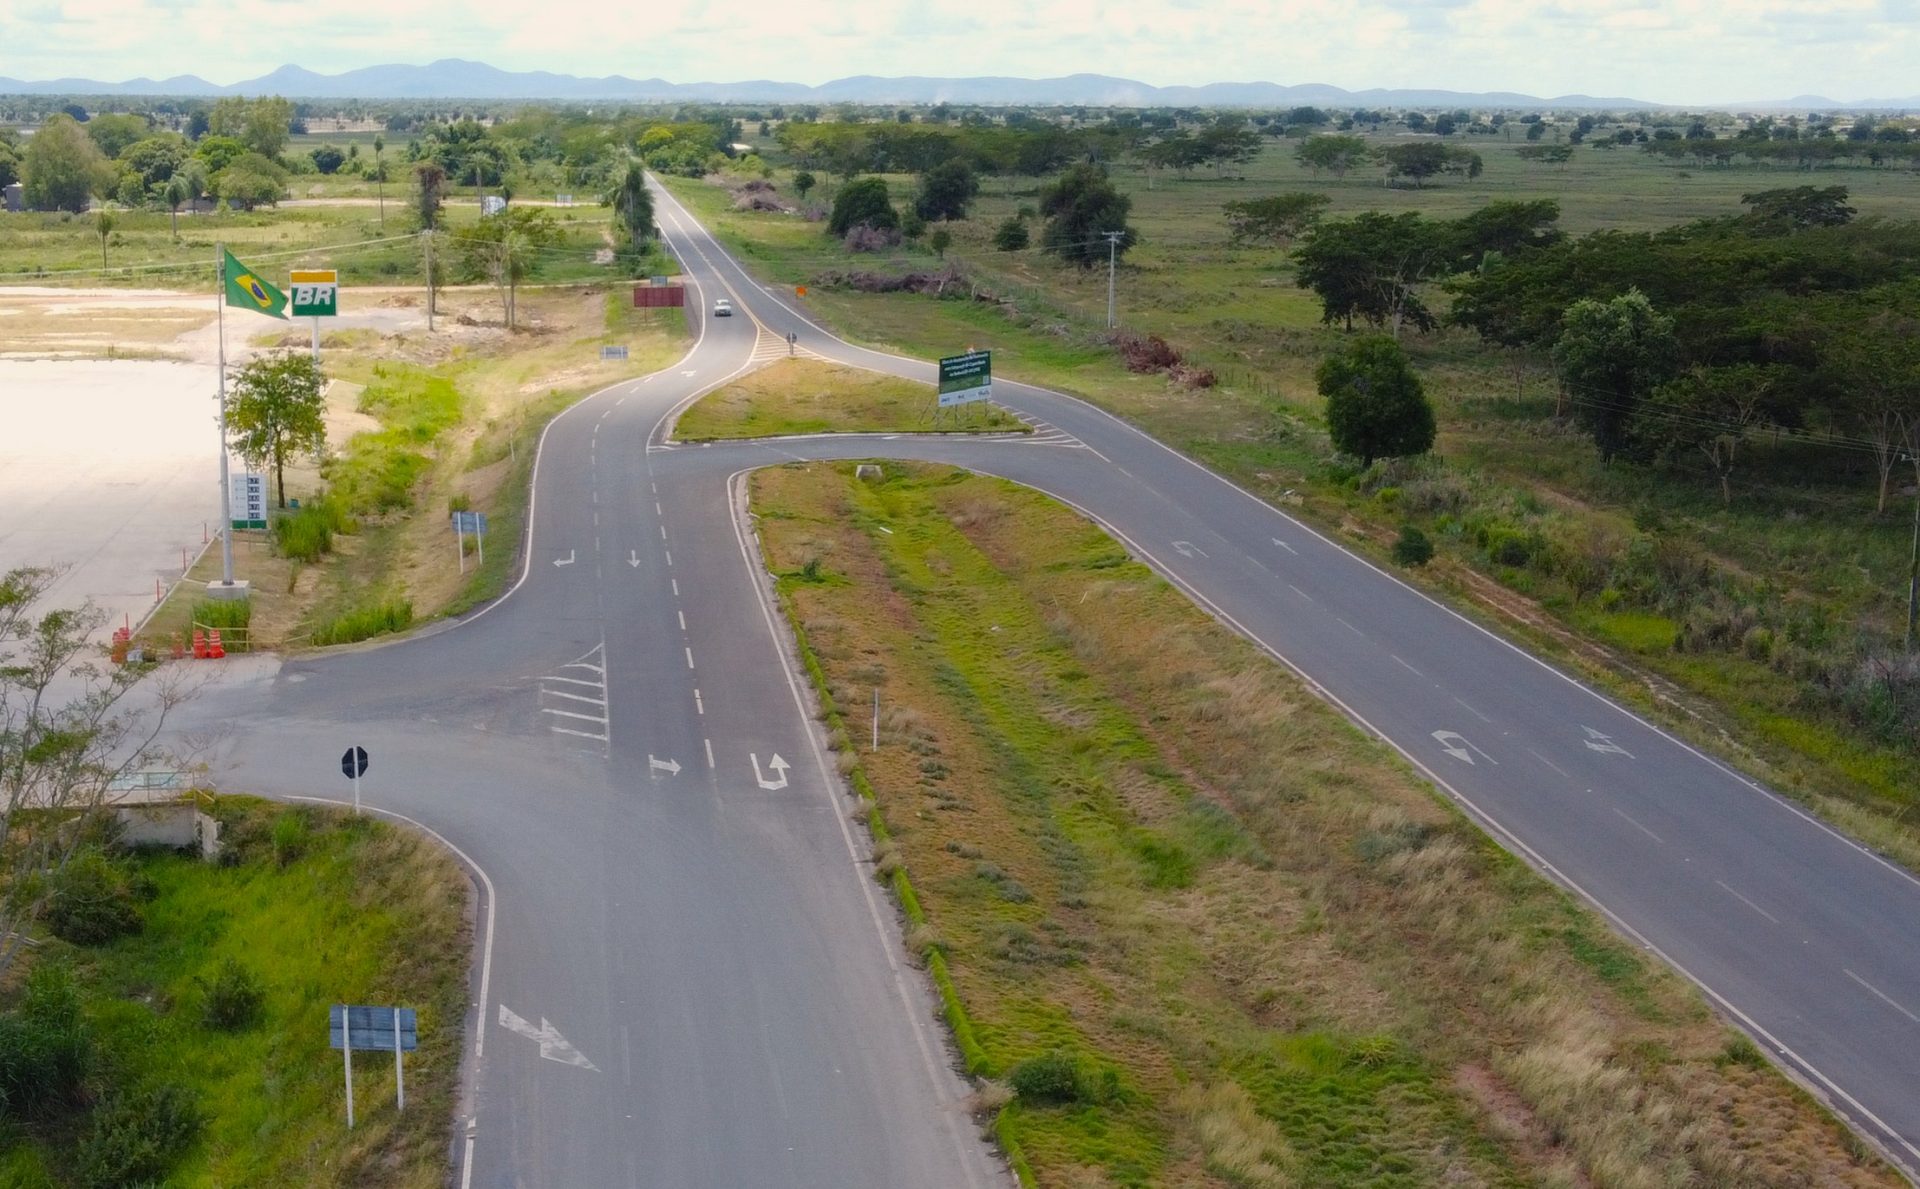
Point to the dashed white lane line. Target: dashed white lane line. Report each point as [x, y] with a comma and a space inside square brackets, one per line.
[676, 587]
[1407, 667]
[656, 509]
[1750, 904]
[709, 744]
[1549, 763]
[698, 706]
[1641, 828]
[1882, 995]
[1471, 710]
[1296, 590]
[1356, 631]
[663, 532]
[683, 619]
[670, 561]
[689, 658]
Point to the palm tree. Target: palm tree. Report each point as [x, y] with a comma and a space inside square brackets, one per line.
[177, 191]
[103, 223]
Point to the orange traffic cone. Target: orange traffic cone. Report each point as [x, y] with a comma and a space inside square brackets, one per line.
[214, 648]
[199, 644]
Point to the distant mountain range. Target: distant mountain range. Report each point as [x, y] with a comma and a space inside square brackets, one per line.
[454, 78]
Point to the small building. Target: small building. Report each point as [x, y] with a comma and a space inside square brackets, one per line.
[13, 197]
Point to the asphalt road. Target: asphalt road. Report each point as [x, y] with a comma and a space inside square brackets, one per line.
[601, 743]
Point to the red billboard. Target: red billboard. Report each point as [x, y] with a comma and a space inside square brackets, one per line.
[653, 297]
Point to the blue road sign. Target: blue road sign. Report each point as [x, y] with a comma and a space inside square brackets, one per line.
[469, 522]
[354, 762]
[373, 1028]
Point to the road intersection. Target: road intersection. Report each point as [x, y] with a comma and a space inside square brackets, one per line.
[693, 981]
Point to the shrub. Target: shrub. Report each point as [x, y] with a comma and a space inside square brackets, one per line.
[1011, 236]
[1412, 548]
[1048, 1079]
[290, 837]
[234, 997]
[44, 1046]
[91, 901]
[871, 239]
[364, 623]
[136, 1137]
[306, 534]
[225, 614]
[1144, 353]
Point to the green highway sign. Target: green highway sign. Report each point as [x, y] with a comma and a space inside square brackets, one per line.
[315, 293]
[965, 378]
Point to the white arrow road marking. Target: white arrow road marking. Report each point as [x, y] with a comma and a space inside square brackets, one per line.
[564, 561]
[633, 558]
[1455, 745]
[1603, 743]
[776, 765]
[1188, 549]
[1285, 546]
[553, 1046]
[688, 372]
[672, 766]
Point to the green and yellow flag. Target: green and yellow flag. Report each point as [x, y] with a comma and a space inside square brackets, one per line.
[246, 290]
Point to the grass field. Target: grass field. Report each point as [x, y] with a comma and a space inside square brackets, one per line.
[801, 396]
[321, 909]
[1205, 932]
[1804, 536]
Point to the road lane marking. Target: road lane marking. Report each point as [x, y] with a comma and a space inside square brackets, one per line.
[1884, 997]
[698, 706]
[709, 744]
[683, 619]
[676, 587]
[1602, 743]
[564, 561]
[657, 510]
[1471, 710]
[559, 693]
[1296, 590]
[1750, 904]
[573, 681]
[689, 657]
[663, 532]
[1639, 827]
[1549, 763]
[669, 557]
[578, 734]
[599, 718]
[1285, 546]
[1356, 631]
[1408, 668]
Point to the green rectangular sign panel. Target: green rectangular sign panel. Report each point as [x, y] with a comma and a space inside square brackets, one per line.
[965, 378]
[315, 293]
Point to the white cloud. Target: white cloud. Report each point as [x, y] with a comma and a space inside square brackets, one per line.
[1668, 50]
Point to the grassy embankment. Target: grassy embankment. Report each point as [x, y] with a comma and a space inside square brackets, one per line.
[451, 420]
[319, 908]
[1207, 932]
[804, 396]
[1510, 490]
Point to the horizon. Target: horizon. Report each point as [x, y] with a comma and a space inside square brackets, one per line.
[1728, 52]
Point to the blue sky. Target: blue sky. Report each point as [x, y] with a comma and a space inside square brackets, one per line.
[1676, 51]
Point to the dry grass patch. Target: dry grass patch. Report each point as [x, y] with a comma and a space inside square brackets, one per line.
[800, 396]
[1253, 949]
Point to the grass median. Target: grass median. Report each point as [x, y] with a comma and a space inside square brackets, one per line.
[805, 396]
[1199, 928]
[310, 907]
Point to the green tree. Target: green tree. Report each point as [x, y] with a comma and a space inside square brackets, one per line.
[1334, 153]
[156, 158]
[1713, 411]
[176, 193]
[278, 409]
[380, 175]
[1011, 235]
[940, 241]
[506, 249]
[114, 131]
[1610, 355]
[63, 167]
[632, 205]
[1277, 220]
[1376, 405]
[803, 182]
[251, 180]
[1424, 159]
[1368, 266]
[1798, 208]
[262, 125]
[1082, 207]
[429, 192]
[103, 225]
[219, 152]
[327, 158]
[946, 190]
[9, 164]
[862, 203]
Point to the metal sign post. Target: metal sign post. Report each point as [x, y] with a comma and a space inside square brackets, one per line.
[374, 1030]
[354, 764]
[966, 378]
[470, 522]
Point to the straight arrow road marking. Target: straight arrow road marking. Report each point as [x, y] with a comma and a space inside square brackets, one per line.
[654, 765]
[553, 1046]
[633, 558]
[776, 765]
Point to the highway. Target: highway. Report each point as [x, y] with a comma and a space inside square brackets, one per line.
[693, 917]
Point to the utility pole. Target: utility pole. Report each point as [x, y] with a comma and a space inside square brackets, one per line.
[1913, 562]
[1113, 256]
[427, 233]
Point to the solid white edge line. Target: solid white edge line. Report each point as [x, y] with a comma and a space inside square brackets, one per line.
[889, 938]
[1492, 825]
[486, 967]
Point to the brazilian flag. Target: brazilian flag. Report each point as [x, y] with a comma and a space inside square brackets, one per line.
[246, 290]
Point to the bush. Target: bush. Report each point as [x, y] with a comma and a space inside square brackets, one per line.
[290, 837]
[1011, 236]
[136, 1137]
[1048, 1079]
[306, 534]
[225, 614]
[871, 239]
[365, 623]
[234, 997]
[91, 901]
[44, 1046]
[1145, 353]
[1412, 548]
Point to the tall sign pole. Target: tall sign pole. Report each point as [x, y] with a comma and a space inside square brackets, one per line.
[226, 491]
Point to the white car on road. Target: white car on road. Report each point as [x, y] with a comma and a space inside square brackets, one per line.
[722, 308]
